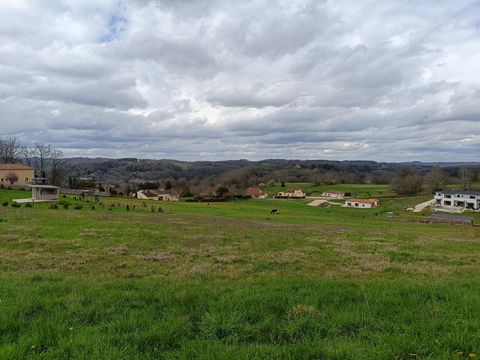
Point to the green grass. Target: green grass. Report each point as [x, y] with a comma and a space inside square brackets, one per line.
[229, 280]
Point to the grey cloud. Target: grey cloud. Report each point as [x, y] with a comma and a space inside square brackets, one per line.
[208, 79]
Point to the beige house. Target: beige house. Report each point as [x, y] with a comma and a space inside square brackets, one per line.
[362, 203]
[158, 195]
[292, 194]
[15, 174]
[256, 193]
[334, 194]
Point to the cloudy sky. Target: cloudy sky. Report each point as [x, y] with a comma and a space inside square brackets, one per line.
[388, 80]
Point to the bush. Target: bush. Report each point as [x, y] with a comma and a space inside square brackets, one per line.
[66, 205]
[16, 205]
[78, 206]
[5, 203]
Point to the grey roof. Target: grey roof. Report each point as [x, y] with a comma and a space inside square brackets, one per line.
[461, 192]
[451, 217]
[44, 186]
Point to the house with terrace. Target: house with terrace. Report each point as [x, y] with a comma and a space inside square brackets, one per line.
[466, 199]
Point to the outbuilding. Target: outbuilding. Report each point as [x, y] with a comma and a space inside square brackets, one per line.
[451, 219]
[41, 193]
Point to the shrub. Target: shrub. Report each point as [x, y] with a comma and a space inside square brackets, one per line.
[78, 206]
[66, 205]
[15, 205]
[5, 203]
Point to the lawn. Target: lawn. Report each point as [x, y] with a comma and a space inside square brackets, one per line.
[230, 280]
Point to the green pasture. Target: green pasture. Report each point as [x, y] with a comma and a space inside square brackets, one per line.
[232, 281]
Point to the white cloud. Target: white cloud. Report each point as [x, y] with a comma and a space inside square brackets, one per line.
[210, 79]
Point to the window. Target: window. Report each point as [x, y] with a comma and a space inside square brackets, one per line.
[472, 197]
[26, 179]
[448, 196]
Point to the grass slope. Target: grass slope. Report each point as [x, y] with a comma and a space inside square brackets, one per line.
[229, 280]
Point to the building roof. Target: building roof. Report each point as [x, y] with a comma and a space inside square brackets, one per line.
[43, 186]
[460, 192]
[149, 193]
[451, 217]
[293, 190]
[14, 167]
[364, 201]
[254, 191]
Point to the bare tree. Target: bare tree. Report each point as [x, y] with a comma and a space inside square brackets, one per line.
[56, 167]
[407, 181]
[9, 149]
[11, 177]
[27, 156]
[435, 179]
[466, 176]
[42, 154]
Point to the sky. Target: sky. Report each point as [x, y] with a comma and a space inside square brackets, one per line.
[390, 80]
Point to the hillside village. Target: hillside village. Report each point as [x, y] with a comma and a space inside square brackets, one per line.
[19, 176]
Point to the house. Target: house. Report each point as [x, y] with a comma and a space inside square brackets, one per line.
[147, 195]
[15, 174]
[334, 194]
[256, 193]
[451, 220]
[167, 197]
[466, 199]
[291, 194]
[362, 203]
[158, 195]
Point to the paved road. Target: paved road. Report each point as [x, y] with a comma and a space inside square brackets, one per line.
[420, 207]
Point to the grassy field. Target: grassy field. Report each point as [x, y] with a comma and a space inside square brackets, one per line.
[229, 280]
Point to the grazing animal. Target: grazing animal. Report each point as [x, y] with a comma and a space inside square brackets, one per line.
[275, 211]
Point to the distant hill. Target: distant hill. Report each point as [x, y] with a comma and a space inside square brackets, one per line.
[132, 170]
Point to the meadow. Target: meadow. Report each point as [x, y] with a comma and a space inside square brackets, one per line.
[231, 281]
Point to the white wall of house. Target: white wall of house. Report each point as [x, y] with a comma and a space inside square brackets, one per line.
[359, 205]
[334, 195]
[463, 200]
[296, 193]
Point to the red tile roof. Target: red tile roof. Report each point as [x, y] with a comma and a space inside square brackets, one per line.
[14, 167]
[254, 191]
